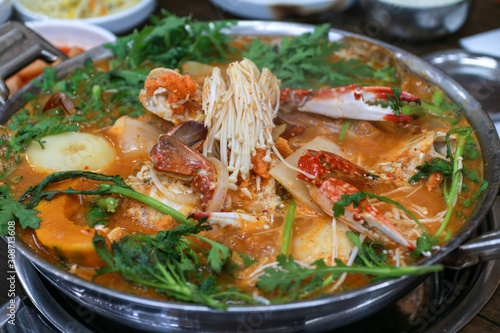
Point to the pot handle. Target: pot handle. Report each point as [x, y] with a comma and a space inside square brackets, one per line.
[20, 46]
[484, 247]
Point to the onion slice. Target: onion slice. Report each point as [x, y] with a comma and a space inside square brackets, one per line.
[222, 186]
[183, 198]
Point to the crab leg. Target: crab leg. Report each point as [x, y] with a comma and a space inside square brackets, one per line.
[348, 102]
[365, 218]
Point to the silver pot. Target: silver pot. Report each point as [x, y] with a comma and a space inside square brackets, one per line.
[329, 312]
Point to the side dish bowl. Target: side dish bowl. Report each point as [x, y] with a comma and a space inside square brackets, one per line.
[325, 313]
[79, 34]
[117, 23]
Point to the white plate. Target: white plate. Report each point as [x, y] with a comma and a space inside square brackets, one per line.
[117, 23]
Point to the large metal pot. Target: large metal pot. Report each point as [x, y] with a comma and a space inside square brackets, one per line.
[329, 312]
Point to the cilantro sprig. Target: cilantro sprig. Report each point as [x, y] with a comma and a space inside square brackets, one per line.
[13, 210]
[172, 40]
[101, 211]
[428, 168]
[299, 60]
[292, 281]
[169, 262]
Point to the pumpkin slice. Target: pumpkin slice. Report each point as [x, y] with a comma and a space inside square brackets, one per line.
[61, 236]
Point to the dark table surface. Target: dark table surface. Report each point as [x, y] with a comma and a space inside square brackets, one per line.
[484, 16]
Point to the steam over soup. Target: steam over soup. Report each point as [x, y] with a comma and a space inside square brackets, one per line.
[215, 169]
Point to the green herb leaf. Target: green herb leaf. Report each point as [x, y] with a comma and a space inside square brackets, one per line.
[367, 255]
[437, 164]
[298, 60]
[48, 79]
[246, 259]
[108, 204]
[168, 262]
[12, 210]
[218, 255]
[171, 41]
[424, 243]
[437, 97]
[470, 148]
[483, 187]
[473, 176]
[96, 215]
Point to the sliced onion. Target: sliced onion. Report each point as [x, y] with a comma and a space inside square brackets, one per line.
[222, 186]
[183, 198]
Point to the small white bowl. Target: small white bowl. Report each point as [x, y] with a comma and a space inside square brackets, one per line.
[117, 23]
[74, 33]
[5, 10]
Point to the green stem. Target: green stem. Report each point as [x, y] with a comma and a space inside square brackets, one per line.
[287, 228]
[343, 130]
[385, 272]
[165, 209]
[433, 108]
[243, 296]
[456, 176]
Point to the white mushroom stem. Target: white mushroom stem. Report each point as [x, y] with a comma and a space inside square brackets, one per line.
[239, 112]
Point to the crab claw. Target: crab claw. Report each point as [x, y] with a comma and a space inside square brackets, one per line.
[171, 155]
[191, 133]
[320, 163]
[237, 220]
[365, 218]
[350, 102]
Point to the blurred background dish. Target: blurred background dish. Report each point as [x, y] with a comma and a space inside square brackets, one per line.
[281, 9]
[418, 19]
[5, 10]
[131, 15]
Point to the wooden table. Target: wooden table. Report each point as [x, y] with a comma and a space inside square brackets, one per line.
[485, 16]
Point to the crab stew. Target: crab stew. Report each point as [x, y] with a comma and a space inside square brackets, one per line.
[222, 170]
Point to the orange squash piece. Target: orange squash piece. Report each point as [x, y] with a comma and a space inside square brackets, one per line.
[63, 238]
